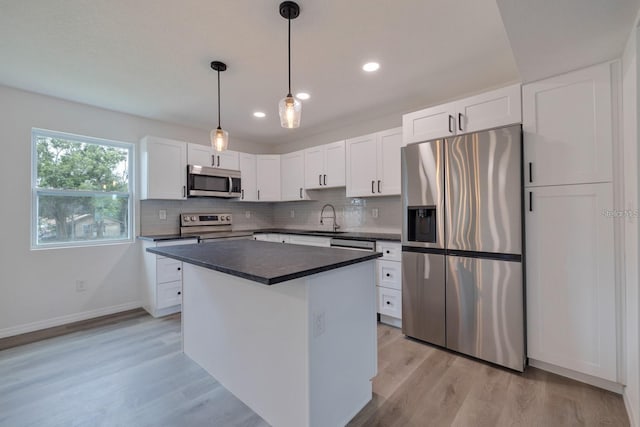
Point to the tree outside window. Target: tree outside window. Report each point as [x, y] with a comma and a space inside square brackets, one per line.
[81, 187]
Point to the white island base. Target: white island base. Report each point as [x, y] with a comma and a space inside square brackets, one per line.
[298, 353]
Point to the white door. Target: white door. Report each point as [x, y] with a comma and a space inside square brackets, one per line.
[362, 164]
[314, 166]
[292, 176]
[568, 129]
[164, 169]
[248, 171]
[389, 143]
[430, 123]
[268, 177]
[201, 155]
[489, 110]
[227, 159]
[334, 175]
[571, 315]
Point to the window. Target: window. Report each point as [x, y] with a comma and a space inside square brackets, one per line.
[82, 190]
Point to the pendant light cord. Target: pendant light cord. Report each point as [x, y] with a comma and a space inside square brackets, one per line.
[218, 99]
[289, 56]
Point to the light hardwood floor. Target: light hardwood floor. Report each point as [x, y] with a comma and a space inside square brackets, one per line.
[130, 371]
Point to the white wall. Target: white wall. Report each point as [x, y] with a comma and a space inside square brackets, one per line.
[630, 100]
[38, 287]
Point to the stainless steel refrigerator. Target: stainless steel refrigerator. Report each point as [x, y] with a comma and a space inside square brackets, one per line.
[462, 239]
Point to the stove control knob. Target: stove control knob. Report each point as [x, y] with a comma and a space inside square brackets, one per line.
[227, 218]
[193, 218]
[186, 219]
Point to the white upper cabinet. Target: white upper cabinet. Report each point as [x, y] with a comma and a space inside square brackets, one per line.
[247, 163]
[567, 124]
[571, 295]
[205, 155]
[163, 164]
[268, 177]
[373, 164]
[488, 110]
[325, 166]
[292, 176]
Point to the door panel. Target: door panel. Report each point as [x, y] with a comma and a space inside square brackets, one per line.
[483, 187]
[423, 297]
[485, 307]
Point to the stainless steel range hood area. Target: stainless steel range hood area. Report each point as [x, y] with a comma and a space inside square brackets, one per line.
[462, 280]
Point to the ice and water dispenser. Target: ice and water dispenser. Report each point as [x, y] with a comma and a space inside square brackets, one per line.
[421, 224]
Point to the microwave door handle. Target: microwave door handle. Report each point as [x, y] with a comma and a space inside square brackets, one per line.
[230, 185]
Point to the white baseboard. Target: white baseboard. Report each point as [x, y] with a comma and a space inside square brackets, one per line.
[70, 318]
[631, 411]
[578, 376]
[391, 321]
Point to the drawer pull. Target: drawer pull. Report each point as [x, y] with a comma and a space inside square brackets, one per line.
[388, 302]
[179, 268]
[388, 275]
[388, 251]
[179, 293]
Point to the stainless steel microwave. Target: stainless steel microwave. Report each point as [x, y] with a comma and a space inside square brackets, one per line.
[205, 181]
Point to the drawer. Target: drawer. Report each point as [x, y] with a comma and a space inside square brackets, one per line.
[390, 274]
[169, 294]
[168, 270]
[390, 250]
[390, 302]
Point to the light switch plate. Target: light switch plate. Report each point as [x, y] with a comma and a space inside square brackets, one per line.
[374, 212]
[162, 214]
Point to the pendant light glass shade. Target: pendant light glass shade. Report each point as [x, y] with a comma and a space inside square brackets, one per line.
[290, 110]
[219, 139]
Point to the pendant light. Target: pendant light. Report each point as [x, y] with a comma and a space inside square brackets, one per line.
[219, 137]
[290, 109]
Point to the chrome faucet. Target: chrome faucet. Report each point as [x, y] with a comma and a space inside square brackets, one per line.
[322, 217]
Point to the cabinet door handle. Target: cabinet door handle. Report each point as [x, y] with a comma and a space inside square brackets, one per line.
[184, 191]
[218, 161]
[450, 119]
[325, 180]
[179, 293]
[378, 186]
[301, 192]
[388, 302]
[213, 160]
[242, 194]
[179, 268]
[530, 172]
[530, 201]
[460, 117]
[388, 275]
[388, 251]
[373, 183]
[258, 194]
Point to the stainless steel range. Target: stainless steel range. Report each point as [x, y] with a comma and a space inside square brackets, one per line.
[209, 226]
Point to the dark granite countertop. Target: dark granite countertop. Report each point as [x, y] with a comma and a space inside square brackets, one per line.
[264, 262]
[352, 235]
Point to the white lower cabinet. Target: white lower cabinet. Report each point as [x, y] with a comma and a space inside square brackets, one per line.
[389, 282]
[571, 292]
[296, 239]
[163, 279]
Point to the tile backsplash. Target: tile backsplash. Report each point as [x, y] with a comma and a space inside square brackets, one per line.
[353, 214]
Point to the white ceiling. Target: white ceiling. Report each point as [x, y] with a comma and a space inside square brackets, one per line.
[151, 57]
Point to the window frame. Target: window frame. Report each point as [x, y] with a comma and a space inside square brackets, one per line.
[36, 192]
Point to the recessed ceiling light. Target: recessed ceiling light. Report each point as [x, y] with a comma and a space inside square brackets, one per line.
[370, 66]
[259, 114]
[303, 96]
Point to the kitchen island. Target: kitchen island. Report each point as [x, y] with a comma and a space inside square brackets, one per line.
[289, 329]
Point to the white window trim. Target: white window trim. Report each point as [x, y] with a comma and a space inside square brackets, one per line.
[35, 191]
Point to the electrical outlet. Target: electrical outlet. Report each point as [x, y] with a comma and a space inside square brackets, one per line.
[81, 285]
[374, 212]
[247, 214]
[162, 214]
[319, 324]
[293, 213]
